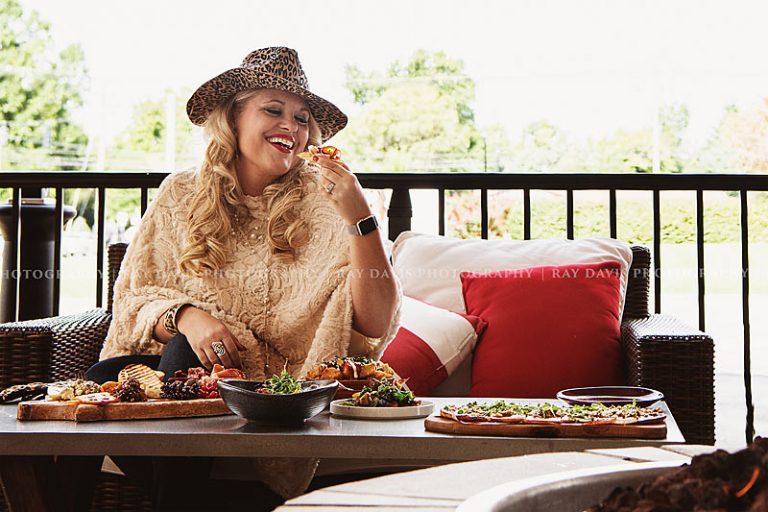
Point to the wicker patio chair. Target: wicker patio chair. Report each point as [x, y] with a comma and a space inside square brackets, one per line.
[660, 352]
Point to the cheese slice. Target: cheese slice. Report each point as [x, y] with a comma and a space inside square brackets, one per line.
[96, 398]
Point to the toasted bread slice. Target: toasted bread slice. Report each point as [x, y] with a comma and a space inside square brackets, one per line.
[147, 377]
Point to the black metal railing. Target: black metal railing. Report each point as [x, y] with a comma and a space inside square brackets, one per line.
[400, 215]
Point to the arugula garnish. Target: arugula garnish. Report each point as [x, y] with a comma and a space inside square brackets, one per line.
[283, 384]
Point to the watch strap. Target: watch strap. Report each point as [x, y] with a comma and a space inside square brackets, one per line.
[363, 226]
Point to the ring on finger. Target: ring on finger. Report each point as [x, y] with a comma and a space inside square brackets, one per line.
[218, 348]
[329, 188]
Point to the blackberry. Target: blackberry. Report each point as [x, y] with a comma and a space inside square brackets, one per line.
[180, 390]
[130, 391]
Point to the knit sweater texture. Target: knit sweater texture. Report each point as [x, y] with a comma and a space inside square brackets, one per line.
[295, 313]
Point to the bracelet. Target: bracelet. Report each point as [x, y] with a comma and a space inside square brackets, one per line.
[169, 321]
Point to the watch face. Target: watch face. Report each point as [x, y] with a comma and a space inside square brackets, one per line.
[367, 225]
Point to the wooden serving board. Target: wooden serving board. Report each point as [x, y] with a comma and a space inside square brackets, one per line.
[641, 431]
[75, 411]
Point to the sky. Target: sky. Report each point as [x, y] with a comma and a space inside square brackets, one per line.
[590, 67]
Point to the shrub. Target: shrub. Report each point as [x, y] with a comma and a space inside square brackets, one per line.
[591, 218]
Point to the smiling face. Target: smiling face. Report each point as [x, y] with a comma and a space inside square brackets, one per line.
[272, 128]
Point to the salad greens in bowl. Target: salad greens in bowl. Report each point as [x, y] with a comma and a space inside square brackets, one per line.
[280, 400]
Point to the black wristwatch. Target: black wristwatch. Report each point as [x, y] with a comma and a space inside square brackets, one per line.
[364, 226]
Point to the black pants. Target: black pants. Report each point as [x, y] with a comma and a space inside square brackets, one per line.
[178, 355]
[181, 483]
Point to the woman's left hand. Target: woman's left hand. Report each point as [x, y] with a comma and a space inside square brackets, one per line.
[374, 288]
[342, 188]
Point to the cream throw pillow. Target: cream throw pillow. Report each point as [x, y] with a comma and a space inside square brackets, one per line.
[429, 265]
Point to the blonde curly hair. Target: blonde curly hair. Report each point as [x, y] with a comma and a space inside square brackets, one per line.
[218, 196]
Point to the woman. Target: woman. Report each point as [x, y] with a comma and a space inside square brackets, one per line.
[258, 260]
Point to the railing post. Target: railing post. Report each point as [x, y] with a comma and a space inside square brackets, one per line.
[400, 211]
[34, 277]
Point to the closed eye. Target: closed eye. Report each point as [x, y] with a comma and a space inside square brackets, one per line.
[302, 119]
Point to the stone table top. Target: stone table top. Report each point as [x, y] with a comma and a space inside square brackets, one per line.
[444, 488]
[324, 436]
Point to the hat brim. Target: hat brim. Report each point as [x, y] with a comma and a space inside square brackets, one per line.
[208, 96]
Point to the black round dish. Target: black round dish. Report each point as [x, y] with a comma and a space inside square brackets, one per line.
[240, 397]
[610, 395]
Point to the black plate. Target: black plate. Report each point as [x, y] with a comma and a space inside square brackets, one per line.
[240, 397]
[610, 395]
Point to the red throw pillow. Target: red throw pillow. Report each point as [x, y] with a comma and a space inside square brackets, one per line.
[430, 344]
[549, 328]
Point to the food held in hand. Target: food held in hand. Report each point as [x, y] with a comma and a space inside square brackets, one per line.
[384, 393]
[331, 151]
[351, 368]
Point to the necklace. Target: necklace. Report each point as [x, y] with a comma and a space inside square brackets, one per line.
[254, 239]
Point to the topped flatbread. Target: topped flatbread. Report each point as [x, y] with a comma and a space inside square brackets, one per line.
[332, 151]
[350, 368]
[546, 413]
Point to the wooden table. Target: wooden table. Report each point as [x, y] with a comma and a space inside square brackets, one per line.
[26, 447]
[444, 488]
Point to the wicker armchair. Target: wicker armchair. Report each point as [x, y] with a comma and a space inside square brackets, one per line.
[660, 351]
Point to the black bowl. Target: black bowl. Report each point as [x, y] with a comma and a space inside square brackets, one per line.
[611, 395]
[242, 399]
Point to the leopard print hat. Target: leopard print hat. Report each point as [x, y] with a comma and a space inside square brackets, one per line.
[268, 68]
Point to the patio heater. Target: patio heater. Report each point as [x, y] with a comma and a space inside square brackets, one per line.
[35, 275]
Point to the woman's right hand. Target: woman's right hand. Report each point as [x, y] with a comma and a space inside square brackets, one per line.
[201, 330]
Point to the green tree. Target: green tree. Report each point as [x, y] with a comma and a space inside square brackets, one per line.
[417, 116]
[40, 88]
[739, 143]
[147, 130]
[142, 143]
[673, 121]
[633, 150]
[624, 151]
[542, 148]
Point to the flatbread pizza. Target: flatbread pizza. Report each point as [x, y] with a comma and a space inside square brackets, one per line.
[350, 368]
[548, 414]
[332, 152]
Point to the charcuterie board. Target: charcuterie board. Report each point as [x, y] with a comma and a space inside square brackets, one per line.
[638, 430]
[152, 409]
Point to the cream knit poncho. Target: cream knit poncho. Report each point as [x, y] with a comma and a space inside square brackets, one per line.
[300, 311]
